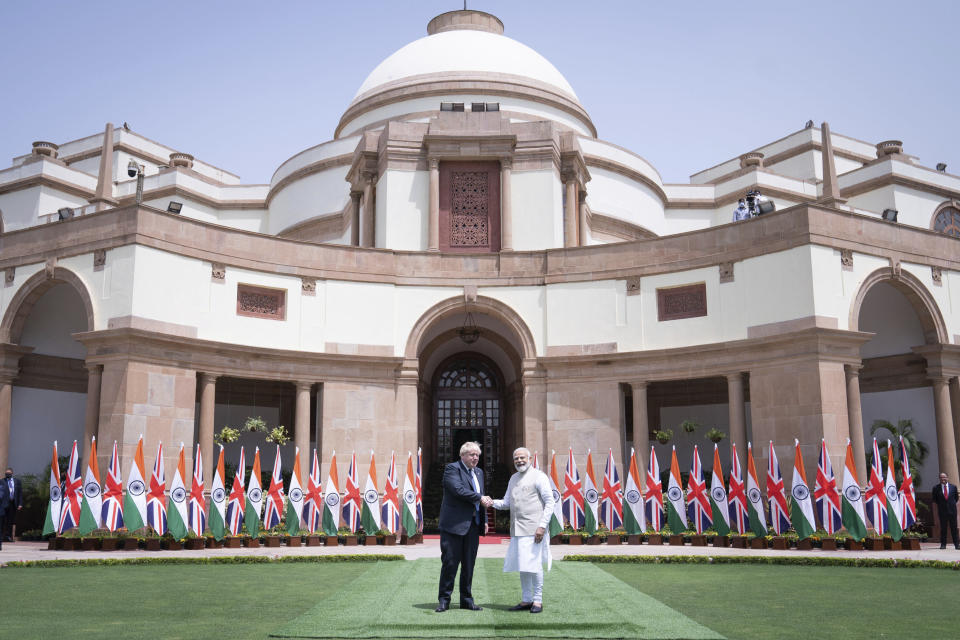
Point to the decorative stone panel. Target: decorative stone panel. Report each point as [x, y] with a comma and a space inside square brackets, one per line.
[469, 207]
[726, 272]
[99, 258]
[8, 275]
[677, 303]
[633, 286]
[261, 302]
[308, 286]
[846, 259]
[218, 271]
[937, 274]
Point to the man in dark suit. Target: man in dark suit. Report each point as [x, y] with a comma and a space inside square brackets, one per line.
[945, 497]
[15, 490]
[5, 504]
[463, 519]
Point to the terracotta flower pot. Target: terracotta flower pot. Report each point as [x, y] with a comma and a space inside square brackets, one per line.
[271, 541]
[251, 543]
[721, 541]
[676, 540]
[293, 541]
[852, 545]
[634, 538]
[698, 541]
[131, 544]
[331, 541]
[370, 541]
[213, 543]
[195, 544]
[174, 545]
[152, 544]
[575, 540]
[805, 545]
[758, 543]
[738, 542]
[390, 540]
[109, 544]
[780, 543]
[314, 541]
[594, 539]
[614, 538]
[873, 544]
[655, 539]
[350, 541]
[232, 542]
[828, 544]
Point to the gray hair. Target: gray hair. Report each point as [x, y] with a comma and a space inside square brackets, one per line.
[519, 449]
[470, 446]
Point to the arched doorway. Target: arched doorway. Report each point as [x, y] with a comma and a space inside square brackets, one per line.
[468, 405]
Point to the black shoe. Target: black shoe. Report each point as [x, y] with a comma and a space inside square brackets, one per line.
[943, 546]
[537, 608]
[471, 606]
[521, 607]
[442, 606]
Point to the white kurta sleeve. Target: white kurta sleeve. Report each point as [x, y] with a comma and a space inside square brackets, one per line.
[546, 495]
[504, 503]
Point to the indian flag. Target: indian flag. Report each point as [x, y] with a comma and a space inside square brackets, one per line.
[408, 516]
[755, 511]
[156, 508]
[92, 506]
[274, 510]
[894, 510]
[197, 505]
[331, 499]
[294, 511]
[676, 507]
[854, 520]
[370, 509]
[177, 506]
[53, 508]
[718, 497]
[633, 518]
[135, 502]
[556, 518]
[254, 508]
[801, 507]
[111, 515]
[591, 497]
[218, 500]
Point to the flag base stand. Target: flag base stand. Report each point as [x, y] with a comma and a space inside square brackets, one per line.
[676, 540]
[594, 539]
[251, 543]
[873, 544]
[174, 545]
[331, 541]
[892, 545]
[52, 544]
[634, 539]
[390, 540]
[805, 545]
[852, 545]
[738, 542]
[152, 544]
[350, 541]
[232, 543]
[131, 544]
[779, 543]
[370, 541]
[313, 541]
[655, 539]
[271, 541]
[575, 540]
[195, 544]
[828, 544]
[721, 541]
[910, 544]
[758, 543]
[614, 538]
[293, 541]
[109, 544]
[698, 541]
[88, 544]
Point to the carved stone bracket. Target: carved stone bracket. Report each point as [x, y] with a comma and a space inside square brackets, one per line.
[50, 268]
[633, 286]
[8, 275]
[99, 258]
[308, 286]
[937, 274]
[846, 259]
[218, 271]
[469, 293]
[726, 272]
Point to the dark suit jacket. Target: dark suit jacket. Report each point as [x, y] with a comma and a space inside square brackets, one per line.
[16, 498]
[946, 507]
[460, 499]
[6, 506]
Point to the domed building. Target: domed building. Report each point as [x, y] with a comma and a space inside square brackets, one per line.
[467, 260]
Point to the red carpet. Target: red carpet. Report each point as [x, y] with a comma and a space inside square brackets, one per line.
[493, 538]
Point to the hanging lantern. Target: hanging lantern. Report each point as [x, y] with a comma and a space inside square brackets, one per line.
[469, 332]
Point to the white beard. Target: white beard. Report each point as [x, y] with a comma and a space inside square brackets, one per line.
[522, 468]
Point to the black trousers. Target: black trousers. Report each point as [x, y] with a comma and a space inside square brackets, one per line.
[458, 552]
[3, 522]
[951, 522]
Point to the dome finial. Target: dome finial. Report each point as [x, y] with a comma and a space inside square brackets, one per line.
[467, 19]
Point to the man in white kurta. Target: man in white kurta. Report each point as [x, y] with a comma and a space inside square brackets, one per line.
[530, 502]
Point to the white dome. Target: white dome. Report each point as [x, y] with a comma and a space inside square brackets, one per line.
[466, 51]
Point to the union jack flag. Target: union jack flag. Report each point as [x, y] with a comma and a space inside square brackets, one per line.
[653, 500]
[112, 510]
[908, 497]
[197, 507]
[573, 495]
[352, 498]
[876, 498]
[313, 500]
[611, 499]
[418, 477]
[156, 509]
[390, 511]
[237, 501]
[698, 502]
[776, 497]
[274, 511]
[72, 493]
[737, 496]
[826, 493]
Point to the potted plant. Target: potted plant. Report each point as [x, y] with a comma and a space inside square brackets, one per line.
[853, 544]
[889, 544]
[232, 542]
[739, 541]
[110, 542]
[350, 538]
[699, 539]
[676, 539]
[315, 540]
[912, 537]
[389, 539]
[873, 543]
[576, 537]
[272, 537]
[657, 537]
[193, 542]
[806, 544]
[721, 541]
[617, 536]
[294, 540]
[663, 436]
[689, 426]
[829, 543]
[714, 435]
[89, 543]
[759, 542]
[779, 543]
[251, 542]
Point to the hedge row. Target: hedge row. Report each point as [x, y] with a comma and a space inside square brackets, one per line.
[110, 562]
[770, 560]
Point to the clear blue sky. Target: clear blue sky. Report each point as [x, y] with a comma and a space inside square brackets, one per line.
[245, 85]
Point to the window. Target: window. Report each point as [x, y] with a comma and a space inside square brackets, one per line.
[451, 106]
[947, 221]
[677, 303]
[484, 106]
[261, 302]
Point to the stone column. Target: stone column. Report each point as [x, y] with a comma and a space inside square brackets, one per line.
[506, 204]
[946, 442]
[208, 403]
[582, 217]
[6, 391]
[955, 405]
[641, 427]
[855, 420]
[534, 434]
[367, 226]
[91, 421]
[355, 217]
[433, 225]
[737, 418]
[570, 215]
[301, 421]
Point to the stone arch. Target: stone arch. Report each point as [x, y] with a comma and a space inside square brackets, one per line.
[11, 328]
[924, 305]
[483, 305]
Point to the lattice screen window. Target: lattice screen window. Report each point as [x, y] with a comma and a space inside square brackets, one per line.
[948, 222]
[469, 224]
[261, 302]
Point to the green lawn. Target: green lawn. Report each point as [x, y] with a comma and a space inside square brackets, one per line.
[758, 601]
[395, 599]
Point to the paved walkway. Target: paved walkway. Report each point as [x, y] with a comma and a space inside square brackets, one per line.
[431, 549]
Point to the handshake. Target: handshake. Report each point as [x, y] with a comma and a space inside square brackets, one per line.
[486, 502]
